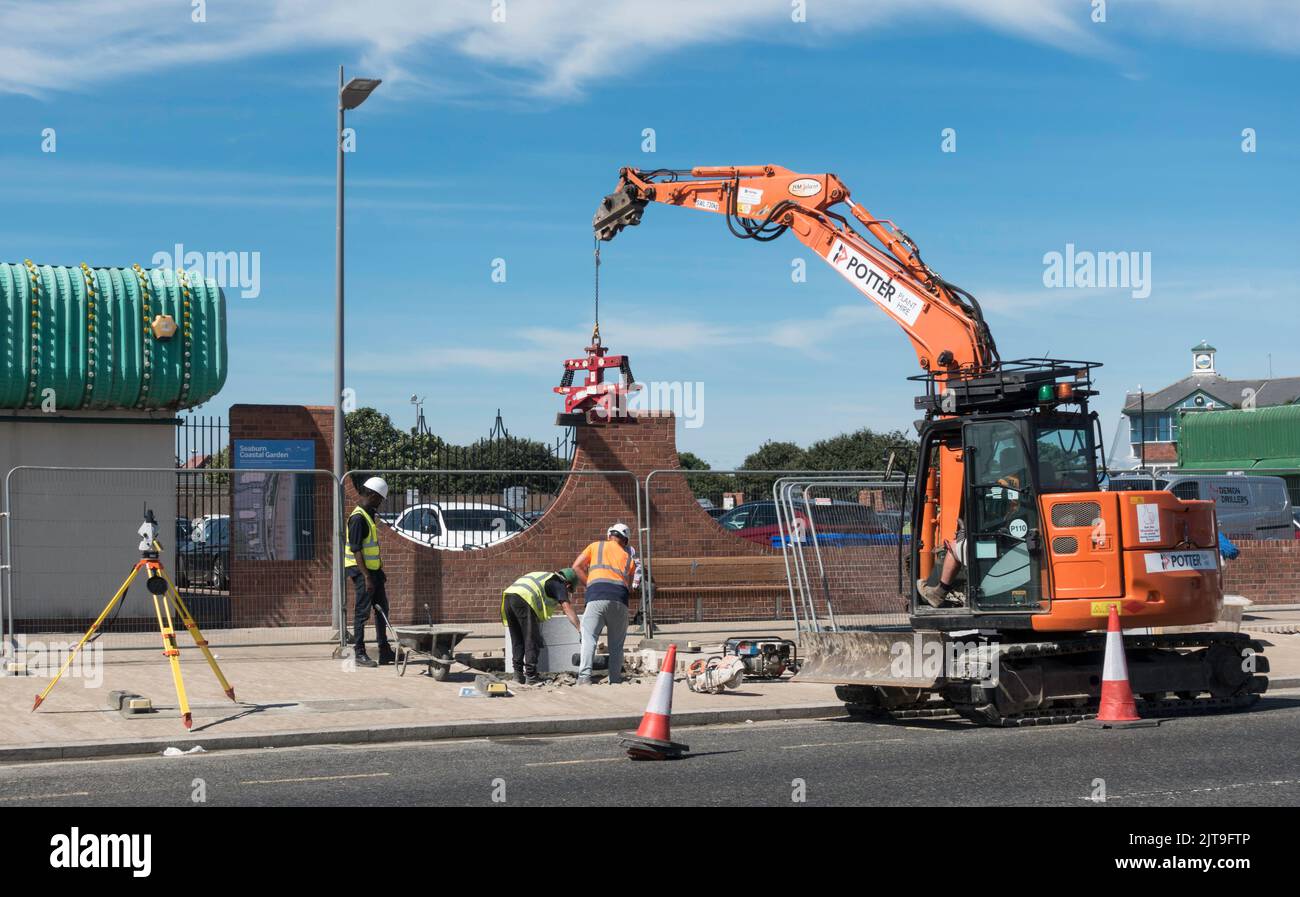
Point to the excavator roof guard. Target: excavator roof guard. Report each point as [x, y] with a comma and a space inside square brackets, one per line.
[1025, 383]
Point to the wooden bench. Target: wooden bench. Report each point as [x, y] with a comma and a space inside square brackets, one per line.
[752, 576]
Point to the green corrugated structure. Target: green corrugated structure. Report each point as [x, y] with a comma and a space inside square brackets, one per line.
[87, 334]
[1266, 439]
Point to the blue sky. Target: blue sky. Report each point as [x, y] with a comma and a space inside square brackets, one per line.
[497, 139]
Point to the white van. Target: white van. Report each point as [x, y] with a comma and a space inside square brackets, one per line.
[1248, 507]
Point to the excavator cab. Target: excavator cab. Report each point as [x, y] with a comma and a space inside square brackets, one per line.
[992, 446]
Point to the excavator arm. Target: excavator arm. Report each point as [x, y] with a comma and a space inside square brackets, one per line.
[761, 202]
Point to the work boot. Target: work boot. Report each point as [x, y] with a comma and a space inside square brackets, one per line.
[534, 680]
[363, 660]
[520, 677]
[584, 680]
[386, 655]
[931, 594]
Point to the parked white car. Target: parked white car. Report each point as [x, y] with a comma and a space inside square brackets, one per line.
[459, 525]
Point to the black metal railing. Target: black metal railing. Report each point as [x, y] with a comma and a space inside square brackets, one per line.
[201, 543]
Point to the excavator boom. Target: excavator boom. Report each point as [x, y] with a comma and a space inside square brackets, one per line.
[761, 202]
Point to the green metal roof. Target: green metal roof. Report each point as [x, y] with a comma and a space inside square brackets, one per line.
[85, 333]
[1223, 440]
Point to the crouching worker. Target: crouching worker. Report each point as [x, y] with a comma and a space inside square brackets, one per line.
[532, 600]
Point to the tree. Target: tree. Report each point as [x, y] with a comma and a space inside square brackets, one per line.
[776, 456]
[692, 461]
[219, 461]
[770, 456]
[372, 442]
[863, 450]
[704, 485]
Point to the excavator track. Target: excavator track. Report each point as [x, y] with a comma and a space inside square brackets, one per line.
[1224, 691]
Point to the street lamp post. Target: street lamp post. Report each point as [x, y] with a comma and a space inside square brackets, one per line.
[351, 95]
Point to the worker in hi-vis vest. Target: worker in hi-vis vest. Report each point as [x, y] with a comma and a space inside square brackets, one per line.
[528, 603]
[611, 570]
[364, 567]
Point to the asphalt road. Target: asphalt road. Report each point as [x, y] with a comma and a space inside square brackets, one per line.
[1239, 759]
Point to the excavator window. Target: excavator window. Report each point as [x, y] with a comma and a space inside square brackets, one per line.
[1065, 458]
[1001, 517]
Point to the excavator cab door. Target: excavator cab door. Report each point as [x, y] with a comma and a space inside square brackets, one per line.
[1001, 521]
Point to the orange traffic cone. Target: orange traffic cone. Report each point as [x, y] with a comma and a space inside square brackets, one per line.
[1117, 704]
[653, 739]
[1118, 709]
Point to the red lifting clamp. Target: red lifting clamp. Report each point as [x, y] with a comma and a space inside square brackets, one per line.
[595, 401]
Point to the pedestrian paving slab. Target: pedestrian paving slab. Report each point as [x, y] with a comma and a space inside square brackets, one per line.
[300, 695]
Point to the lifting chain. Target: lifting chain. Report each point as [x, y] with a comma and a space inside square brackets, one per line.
[595, 330]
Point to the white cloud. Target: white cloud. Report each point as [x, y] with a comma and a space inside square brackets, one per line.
[555, 48]
[638, 332]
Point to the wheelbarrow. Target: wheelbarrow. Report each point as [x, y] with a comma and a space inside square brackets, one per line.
[431, 645]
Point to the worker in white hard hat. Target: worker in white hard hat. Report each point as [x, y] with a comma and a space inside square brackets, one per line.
[365, 568]
[611, 570]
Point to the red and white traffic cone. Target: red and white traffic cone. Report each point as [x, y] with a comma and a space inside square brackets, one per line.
[1118, 709]
[1117, 704]
[653, 739]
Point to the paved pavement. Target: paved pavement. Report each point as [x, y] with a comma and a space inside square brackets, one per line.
[298, 695]
[1227, 760]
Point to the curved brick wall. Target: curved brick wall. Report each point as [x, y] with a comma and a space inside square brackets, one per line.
[466, 586]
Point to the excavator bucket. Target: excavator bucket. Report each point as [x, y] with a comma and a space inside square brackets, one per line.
[887, 657]
[618, 210]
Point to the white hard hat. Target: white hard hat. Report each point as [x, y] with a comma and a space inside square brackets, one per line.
[378, 486]
[619, 529]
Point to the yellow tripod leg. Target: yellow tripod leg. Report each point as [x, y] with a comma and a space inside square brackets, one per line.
[173, 654]
[184, 613]
[121, 593]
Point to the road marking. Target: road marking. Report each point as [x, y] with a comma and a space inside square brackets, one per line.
[48, 796]
[573, 762]
[791, 747]
[360, 775]
[1210, 790]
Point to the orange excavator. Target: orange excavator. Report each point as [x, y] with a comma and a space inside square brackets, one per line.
[1018, 554]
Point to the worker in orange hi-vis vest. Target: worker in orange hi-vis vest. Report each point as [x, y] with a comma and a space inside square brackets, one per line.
[611, 570]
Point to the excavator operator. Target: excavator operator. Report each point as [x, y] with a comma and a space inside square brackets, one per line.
[999, 507]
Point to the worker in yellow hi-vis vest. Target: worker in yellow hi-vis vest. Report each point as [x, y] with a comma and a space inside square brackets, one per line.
[611, 570]
[528, 603]
[365, 568]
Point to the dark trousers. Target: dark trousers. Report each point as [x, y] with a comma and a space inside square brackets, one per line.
[366, 599]
[525, 636]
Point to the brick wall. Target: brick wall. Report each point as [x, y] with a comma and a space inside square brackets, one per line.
[286, 593]
[466, 586]
[1265, 572]
[1158, 452]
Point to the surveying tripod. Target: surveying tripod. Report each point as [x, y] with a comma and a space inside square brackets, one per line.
[165, 599]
